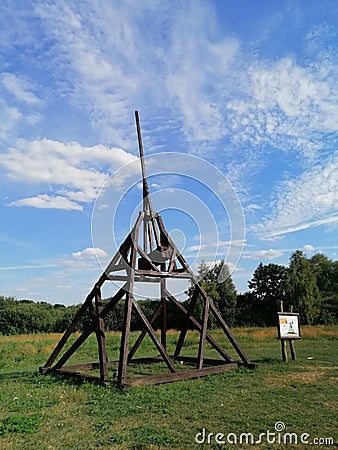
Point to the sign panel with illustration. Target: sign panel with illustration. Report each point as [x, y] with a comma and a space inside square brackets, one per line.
[288, 326]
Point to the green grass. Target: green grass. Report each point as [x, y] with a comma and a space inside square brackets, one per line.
[44, 412]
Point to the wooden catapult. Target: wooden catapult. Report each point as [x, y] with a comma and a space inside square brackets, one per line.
[147, 255]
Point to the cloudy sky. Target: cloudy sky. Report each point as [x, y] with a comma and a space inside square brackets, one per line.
[249, 88]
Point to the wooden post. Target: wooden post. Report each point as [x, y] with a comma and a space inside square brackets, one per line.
[283, 341]
[123, 359]
[101, 340]
[164, 310]
[203, 334]
[291, 341]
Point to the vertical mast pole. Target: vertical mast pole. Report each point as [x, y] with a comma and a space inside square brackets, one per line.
[147, 207]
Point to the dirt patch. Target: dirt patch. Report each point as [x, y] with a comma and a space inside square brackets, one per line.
[307, 376]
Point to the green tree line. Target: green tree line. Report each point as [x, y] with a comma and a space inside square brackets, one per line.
[309, 284]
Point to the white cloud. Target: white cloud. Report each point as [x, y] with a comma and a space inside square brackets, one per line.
[188, 66]
[308, 248]
[47, 202]
[90, 252]
[253, 206]
[264, 254]
[287, 105]
[10, 116]
[101, 47]
[75, 172]
[18, 87]
[308, 201]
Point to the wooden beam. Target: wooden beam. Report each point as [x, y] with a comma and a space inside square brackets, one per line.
[144, 333]
[153, 337]
[189, 313]
[75, 346]
[203, 334]
[164, 311]
[230, 336]
[181, 375]
[123, 360]
[100, 336]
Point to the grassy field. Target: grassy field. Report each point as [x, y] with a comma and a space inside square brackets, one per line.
[43, 412]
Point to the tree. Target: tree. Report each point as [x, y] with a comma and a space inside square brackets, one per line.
[326, 272]
[268, 285]
[246, 310]
[323, 269]
[302, 288]
[227, 295]
[223, 294]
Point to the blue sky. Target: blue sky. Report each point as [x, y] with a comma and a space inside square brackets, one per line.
[247, 89]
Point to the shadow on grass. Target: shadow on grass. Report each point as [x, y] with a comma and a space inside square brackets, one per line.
[35, 377]
[26, 376]
[267, 360]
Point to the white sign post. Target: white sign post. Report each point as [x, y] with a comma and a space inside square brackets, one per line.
[288, 329]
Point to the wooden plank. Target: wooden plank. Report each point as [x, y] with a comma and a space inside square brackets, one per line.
[203, 334]
[123, 359]
[76, 345]
[183, 275]
[153, 337]
[137, 279]
[100, 336]
[181, 375]
[284, 352]
[125, 340]
[150, 237]
[227, 331]
[172, 264]
[113, 301]
[184, 330]
[146, 192]
[157, 239]
[291, 341]
[206, 361]
[164, 311]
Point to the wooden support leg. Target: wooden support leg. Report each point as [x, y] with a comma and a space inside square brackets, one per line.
[144, 333]
[184, 330]
[203, 334]
[153, 336]
[79, 341]
[67, 333]
[164, 312]
[101, 340]
[123, 360]
[292, 349]
[230, 336]
[284, 352]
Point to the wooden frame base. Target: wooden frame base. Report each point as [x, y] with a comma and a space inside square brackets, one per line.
[212, 366]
